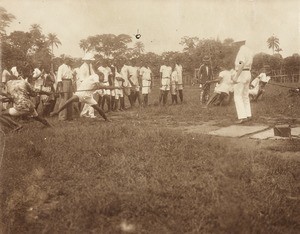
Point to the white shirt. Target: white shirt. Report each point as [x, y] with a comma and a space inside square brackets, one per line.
[90, 83]
[85, 71]
[166, 71]
[5, 76]
[225, 84]
[145, 73]
[174, 77]
[36, 73]
[133, 72]
[244, 55]
[263, 77]
[106, 72]
[118, 83]
[125, 75]
[64, 72]
[178, 68]
[14, 71]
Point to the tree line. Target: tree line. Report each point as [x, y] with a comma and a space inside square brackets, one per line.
[26, 49]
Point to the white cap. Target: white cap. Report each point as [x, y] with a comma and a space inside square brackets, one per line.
[88, 56]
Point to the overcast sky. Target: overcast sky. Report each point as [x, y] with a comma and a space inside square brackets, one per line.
[162, 23]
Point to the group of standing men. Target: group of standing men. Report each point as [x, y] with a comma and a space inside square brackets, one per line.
[95, 84]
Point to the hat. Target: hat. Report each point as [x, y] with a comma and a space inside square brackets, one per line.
[239, 42]
[88, 56]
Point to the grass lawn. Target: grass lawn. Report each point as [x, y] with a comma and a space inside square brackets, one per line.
[138, 174]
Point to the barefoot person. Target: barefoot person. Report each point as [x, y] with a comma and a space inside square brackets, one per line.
[85, 92]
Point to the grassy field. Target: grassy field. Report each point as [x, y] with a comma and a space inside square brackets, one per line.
[138, 174]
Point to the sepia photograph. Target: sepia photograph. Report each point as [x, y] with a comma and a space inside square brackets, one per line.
[149, 116]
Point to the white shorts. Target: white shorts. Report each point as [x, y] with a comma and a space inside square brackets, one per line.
[180, 87]
[86, 99]
[14, 112]
[105, 91]
[165, 84]
[118, 93]
[146, 86]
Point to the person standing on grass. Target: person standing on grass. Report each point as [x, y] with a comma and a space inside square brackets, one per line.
[134, 81]
[205, 75]
[146, 77]
[20, 91]
[178, 69]
[126, 84]
[86, 70]
[85, 93]
[243, 63]
[165, 76]
[64, 84]
[174, 84]
[105, 94]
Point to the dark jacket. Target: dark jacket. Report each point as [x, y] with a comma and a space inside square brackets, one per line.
[203, 75]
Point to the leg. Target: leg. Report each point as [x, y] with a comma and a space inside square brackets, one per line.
[139, 97]
[246, 99]
[175, 99]
[181, 95]
[108, 103]
[67, 103]
[100, 100]
[100, 111]
[165, 97]
[8, 122]
[42, 120]
[112, 102]
[122, 103]
[161, 96]
[238, 100]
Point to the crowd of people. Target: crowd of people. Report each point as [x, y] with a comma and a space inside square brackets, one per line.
[100, 85]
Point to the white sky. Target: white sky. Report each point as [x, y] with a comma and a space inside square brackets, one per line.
[162, 23]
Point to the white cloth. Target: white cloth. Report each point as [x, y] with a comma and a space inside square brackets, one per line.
[225, 84]
[64, 72]
[125, 74]
[166, 75]
[117, 93]
[166, 71]
[178, 68]
[244, 55]
[36, 73]
[241, 89]
[88, 86]
[241, 96]
[145, 72]
[255, 86]
[85, 71]
[174, 81]
[263, 77]
[14, 71]
[5, 76]
[106, 71]
[133, 73]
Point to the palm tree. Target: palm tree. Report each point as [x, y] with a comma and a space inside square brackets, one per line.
[53, 40]
[35, 28]
[139, 47]
[273, 43]
[278, 50]
[83, 44]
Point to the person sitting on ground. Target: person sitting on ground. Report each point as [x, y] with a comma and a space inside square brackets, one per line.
[257, 86]
[85, 93]
[20, 91]
[224, 89]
